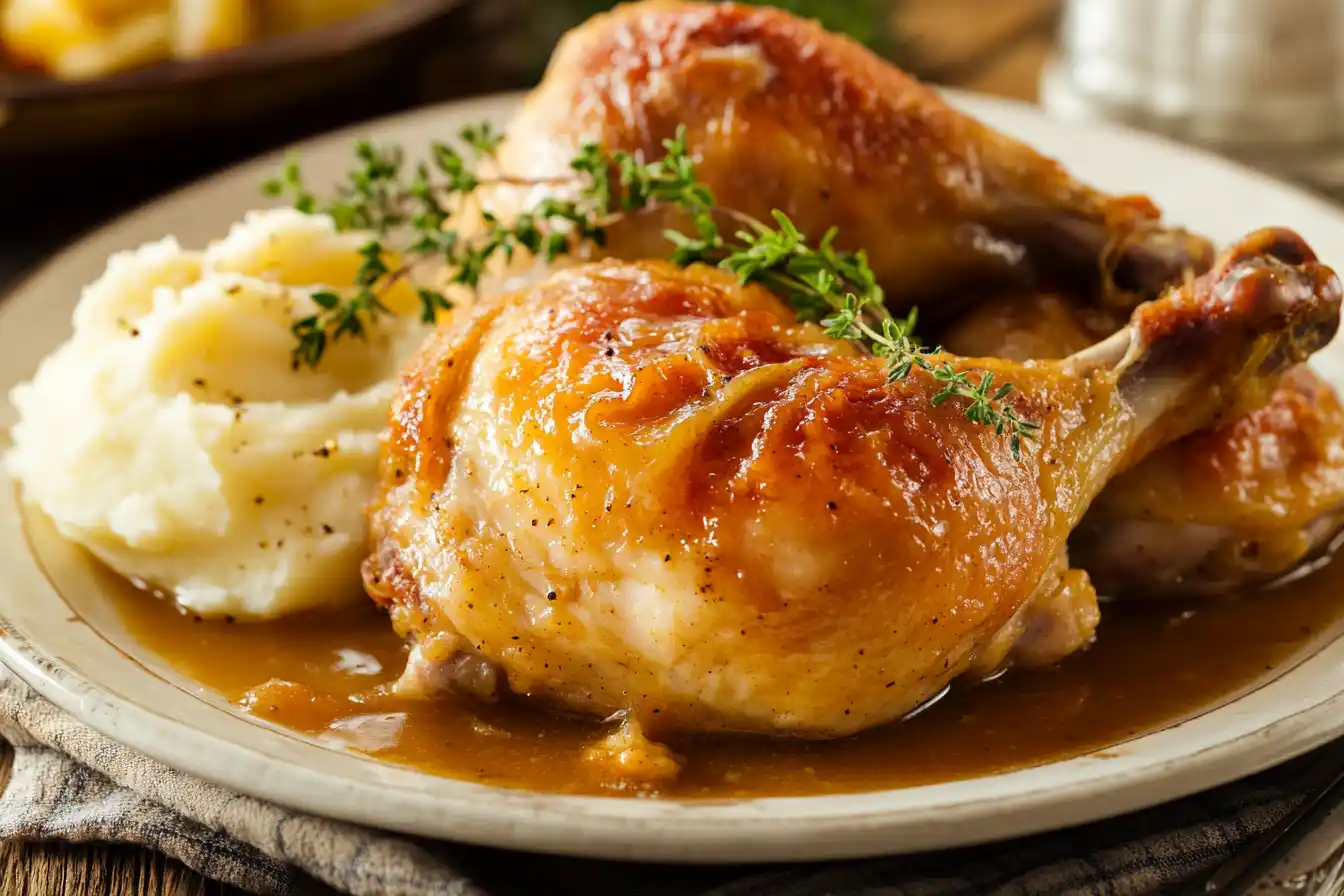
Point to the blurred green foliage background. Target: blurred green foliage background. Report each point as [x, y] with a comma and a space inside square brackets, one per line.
[869, 21]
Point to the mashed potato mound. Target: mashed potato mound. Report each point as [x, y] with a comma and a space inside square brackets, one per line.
[173, 436]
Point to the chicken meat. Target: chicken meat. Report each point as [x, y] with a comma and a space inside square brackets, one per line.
[647, 490]
[1241, 504]
[780, 114]
[1237, 506]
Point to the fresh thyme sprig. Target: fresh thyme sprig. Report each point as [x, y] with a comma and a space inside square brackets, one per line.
[836, 288]
[903, 353]
[822, 284]
[375, 198]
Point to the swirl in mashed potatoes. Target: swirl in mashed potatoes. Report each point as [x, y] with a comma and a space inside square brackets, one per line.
[174, 437]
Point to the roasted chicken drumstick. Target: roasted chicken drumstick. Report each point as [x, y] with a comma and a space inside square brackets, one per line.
[644, 489]
[1237, 505]
[781, 114]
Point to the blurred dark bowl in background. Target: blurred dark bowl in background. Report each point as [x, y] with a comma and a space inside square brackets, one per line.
[84, 149]
[43, 114]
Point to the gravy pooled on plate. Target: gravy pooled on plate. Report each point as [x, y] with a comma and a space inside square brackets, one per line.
[1153, 665]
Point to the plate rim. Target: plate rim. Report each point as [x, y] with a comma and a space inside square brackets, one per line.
[684, 831]
[545, 823]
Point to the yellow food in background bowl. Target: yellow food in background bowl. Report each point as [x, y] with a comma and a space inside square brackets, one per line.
[173, 436]
[83, 39]
[208, 26]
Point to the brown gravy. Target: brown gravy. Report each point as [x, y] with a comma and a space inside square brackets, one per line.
[1152, 664]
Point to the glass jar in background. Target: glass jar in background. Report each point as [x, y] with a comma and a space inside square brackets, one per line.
[1261, 81]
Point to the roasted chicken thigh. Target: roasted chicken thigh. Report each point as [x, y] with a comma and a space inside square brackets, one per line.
[648, 490]
[1239, 504]
[780, 114]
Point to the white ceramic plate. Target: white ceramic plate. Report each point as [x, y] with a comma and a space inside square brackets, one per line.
[72, 650]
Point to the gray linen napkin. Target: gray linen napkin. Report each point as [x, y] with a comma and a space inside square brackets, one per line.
[71, 783]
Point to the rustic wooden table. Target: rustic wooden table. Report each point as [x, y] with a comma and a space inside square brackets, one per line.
[982, 45]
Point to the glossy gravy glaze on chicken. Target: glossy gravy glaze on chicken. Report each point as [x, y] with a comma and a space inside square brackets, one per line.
[641, 530]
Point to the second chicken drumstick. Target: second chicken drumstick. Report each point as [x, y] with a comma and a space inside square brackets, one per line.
[781, 114]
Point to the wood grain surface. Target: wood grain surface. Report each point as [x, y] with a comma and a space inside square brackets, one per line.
[984, 45]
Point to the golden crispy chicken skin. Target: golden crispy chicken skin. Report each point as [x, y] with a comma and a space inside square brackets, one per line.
[646, 489]
[1029, 326]
[637, 487]
[1239, 504]
[781, 114]
[1242, 504]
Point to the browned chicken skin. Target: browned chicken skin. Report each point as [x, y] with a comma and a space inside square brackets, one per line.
[1236, 506]
[647, 490]
[781, 114]
[1240, 504]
